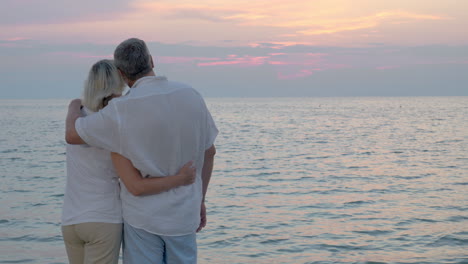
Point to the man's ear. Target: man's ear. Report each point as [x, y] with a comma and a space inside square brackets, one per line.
[121, 73]
[152, 63]
[124, 77]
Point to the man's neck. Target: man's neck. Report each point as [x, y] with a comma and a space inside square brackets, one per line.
[131, 83]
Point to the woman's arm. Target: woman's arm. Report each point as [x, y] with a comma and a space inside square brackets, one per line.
[137, 185]
[74, 112]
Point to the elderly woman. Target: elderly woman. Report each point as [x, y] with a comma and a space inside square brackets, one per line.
[92, 215]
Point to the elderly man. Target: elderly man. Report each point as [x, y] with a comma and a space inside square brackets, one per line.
[158, 126]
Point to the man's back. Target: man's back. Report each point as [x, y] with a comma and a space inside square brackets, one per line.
[164, 125]
[160, 126]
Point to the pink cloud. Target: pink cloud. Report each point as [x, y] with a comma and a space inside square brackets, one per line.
[279, 63]
[317, 54]
[295, 71]
[387, 67]
[218, 63]
[81, 55]
[307, 62]
[15, 42]
[10, 45]
[276, 54]
[288, 65]
[277, 44]
[299, 59]
[234, 60]
[301, 74]
[286, 59]
[175, 60]
[16, 39]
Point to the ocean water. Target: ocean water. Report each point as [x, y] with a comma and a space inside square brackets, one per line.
[296, 180]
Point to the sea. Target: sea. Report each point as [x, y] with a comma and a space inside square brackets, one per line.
[296, 180]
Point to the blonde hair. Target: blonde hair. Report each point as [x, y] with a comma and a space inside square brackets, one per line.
[103, 82]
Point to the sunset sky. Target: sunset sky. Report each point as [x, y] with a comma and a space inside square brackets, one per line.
[243, 48]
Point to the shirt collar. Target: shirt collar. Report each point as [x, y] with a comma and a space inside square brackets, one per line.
[147, 79]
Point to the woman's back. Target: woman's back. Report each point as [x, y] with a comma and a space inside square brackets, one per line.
[92, 190]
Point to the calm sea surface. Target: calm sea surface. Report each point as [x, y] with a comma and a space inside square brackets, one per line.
[296, 180]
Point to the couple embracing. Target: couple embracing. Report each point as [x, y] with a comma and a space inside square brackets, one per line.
[145, 157]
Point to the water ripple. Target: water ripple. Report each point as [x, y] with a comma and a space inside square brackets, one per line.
[449, 240]
[32, 238]
[18, 261]
[296, 180]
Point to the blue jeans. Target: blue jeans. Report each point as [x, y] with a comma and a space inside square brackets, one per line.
[142, 247]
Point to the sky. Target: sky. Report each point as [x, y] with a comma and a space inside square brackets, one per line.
[240, 48]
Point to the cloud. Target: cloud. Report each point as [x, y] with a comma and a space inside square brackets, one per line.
[300, 74]
[349, 24]
[182, 60]
[387, 67]
[213, 14]
[27, 12]
[242, 22]
[301, 16]
[18, 42]
[246, 71]
[334, 22]
[197, 13]
[15, 39]
[183, 11]
[79, 55]
[235, 60]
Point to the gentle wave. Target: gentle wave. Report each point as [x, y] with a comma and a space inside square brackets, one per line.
[314, 180]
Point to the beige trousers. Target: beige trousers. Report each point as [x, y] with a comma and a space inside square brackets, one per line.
[88, 243]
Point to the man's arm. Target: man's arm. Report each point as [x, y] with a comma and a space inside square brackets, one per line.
[206, 176]
[138, 186]
[74, 112]
[207, 168]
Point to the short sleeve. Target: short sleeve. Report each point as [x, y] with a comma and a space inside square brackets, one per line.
[211, 130]
[101, 129]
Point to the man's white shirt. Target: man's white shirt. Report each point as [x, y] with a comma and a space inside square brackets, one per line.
[159, 126]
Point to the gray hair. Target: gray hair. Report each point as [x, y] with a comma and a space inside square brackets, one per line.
[133, 59]
[103, 82]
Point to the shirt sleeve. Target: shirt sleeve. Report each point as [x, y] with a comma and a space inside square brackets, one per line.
[211, 130]
[101, 129]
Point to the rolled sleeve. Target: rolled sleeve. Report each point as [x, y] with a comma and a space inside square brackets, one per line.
[101, 129]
